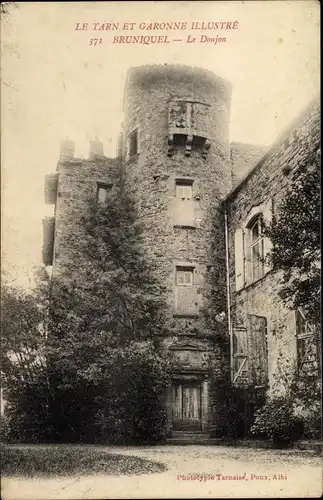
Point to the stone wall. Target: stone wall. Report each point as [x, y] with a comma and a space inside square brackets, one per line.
[243, 158]
[77, 184]
[151, 177]
[268, 181]
[189, 232]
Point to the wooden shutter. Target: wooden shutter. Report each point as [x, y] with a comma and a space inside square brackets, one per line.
[239, 258]
[258, 348]
[240, 368]
[184, 212]
[267, 213]
[48, 240]
[186, 301]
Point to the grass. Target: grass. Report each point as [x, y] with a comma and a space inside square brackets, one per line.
[68, 460]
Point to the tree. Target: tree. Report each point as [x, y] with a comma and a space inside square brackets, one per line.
[295, 234]
[25, 383]
[103, 330]
[80, 354]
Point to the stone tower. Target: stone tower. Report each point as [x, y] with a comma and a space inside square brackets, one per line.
[76, 181]
[176, 160]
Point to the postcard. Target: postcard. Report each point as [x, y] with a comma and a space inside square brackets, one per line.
[160, 250]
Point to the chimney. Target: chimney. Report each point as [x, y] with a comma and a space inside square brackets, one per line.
[67, 150]
[96, 149]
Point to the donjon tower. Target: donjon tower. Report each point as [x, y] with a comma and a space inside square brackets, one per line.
[176, 161]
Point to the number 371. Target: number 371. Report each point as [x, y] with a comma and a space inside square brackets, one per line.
[95, 41]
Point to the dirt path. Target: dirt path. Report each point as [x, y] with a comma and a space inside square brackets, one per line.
[266, 473]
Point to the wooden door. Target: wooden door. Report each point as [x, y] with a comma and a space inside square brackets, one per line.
[187, 406]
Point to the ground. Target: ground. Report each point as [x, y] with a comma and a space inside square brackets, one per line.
[272, 473]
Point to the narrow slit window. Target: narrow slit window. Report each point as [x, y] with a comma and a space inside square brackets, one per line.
[133, 143]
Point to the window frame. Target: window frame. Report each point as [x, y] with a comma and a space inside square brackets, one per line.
[106, 186]
[184, 184]
[185, 270]
[257, 220]
[131, 154]
[243, 262]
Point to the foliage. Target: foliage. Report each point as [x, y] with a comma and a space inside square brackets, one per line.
[305, 395]
[295, 233]
[276, 422]
[25, 386]
[33, 462]
[104, 324]
[237, 415]
[293, 415]
[5, 8]
[113, 270]
[87, 340]
[130, 403]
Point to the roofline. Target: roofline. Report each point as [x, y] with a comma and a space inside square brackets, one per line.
[282, 136]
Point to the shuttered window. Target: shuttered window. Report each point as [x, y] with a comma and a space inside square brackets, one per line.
[240, 368]
[256, 239]
[252, 248]
[102, 192]
[257, 326]
[184, 191]
[184, 276]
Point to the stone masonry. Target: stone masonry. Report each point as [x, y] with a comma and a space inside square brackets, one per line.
[264, 186]
[176, 160]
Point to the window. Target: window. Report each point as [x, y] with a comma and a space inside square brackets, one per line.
[184, 189]
[179, 142]
[251, 247]
[189, 126]
[257, 255]
[102, 193]
[184, 276]
[133, 143]
[198, 143]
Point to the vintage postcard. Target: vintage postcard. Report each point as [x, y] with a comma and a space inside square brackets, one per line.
[160, 240]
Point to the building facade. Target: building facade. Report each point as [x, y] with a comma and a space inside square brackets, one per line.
[198, 216]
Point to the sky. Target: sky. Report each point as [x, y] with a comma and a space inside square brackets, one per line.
[55, 85]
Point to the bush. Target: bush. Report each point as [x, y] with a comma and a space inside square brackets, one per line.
[130, 406]
[276, 422]
[25, 418]
[236, 410]
[305, 394]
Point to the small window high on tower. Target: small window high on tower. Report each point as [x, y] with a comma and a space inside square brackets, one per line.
[133, 143]
[184, 189]
[102, 191]
[184, 276]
